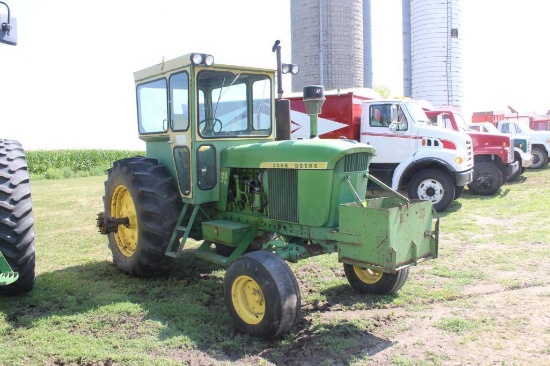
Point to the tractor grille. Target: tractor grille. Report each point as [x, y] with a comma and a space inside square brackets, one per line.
[356, 162]
[283, 194]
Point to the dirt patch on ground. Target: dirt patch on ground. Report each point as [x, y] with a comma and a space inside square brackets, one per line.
[487, 325]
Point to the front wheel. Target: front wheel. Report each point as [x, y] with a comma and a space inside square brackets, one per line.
[262, 295]
[458, 191]
[514, 176]
[434, 186]
[538, 157]
[487, 179]
[370, 281]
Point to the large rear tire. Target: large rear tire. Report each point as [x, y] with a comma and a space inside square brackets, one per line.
[434, 186]
[140, 189]
[262, 295]
[487, 179]
[16, 218]
[369, 281]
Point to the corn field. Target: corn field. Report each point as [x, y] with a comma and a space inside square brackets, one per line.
[40, 162]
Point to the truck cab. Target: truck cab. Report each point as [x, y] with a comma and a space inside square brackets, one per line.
[522, 144]
[494, 159]
[540, 140]
[429, 162]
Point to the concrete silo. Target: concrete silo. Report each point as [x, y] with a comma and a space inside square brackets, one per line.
[327, 43]
[435, 51]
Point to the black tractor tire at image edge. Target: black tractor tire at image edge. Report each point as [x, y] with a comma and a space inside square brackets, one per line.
[144, 185]
[16, 217]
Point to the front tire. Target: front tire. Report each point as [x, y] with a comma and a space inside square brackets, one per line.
[262, 295]
[487, 179]
[434, 186]
[515, 176]
[140, 189]
[539, 158]
[16, 218]
[369, 281]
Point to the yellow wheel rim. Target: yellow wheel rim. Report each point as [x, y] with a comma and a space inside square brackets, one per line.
[248, 300]
[368, 276]
[122, 205]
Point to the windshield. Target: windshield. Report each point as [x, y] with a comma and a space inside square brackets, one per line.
[233, 105]
[460, 123]
[490, 128]
[416, 112]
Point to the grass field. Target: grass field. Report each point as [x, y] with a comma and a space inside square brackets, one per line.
[485, 300]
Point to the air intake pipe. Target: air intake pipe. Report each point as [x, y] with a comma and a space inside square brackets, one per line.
[314, 96]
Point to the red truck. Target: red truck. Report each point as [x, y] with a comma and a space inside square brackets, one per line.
[494, 160]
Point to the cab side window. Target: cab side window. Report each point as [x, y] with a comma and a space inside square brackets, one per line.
[152, 103]
[179, 98]
[402, 124]
[379, 116]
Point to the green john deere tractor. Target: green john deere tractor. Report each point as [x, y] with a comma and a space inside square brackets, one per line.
[16, 219]
[220, 168]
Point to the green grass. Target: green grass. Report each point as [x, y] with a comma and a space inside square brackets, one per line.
[84, 311]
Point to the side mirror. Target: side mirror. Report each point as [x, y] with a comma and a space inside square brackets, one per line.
[393, 114]
[8, 29]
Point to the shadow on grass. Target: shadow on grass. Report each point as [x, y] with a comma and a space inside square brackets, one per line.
[188, 304]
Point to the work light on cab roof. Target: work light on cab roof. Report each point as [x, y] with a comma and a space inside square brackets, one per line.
[202, 59]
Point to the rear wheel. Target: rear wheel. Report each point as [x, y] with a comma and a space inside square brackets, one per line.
[538, 157]
[487, 179]
[16, 218]
[140, 189]
[262, 295]
[369, 281]
[434, 186]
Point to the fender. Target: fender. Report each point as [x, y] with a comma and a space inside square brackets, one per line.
[410, 164]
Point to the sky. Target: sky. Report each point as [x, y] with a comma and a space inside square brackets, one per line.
[68, 84]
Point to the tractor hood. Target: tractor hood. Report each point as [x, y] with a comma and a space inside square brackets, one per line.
[292, 154]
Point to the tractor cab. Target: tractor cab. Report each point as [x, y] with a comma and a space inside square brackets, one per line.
[189, 110]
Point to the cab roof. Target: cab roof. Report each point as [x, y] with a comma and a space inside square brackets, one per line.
[185, 61]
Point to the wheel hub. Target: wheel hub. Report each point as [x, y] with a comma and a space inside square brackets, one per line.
[431, 190]
[122, 206]
[367, 275]
[248, 300]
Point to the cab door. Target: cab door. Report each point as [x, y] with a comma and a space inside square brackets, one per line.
[392, 142]
[180, 131]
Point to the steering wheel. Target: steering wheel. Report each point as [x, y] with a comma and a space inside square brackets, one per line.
[208, 125]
